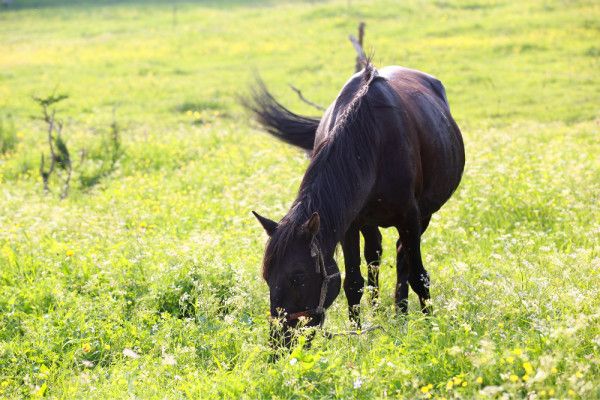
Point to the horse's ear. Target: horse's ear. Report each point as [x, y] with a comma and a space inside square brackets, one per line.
[266, 223]
[313, 224]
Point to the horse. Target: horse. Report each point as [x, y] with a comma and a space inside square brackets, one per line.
[386, 153]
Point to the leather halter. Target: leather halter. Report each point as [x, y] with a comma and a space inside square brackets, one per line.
[315, 251]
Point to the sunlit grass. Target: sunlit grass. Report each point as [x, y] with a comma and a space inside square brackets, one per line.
[148, 284]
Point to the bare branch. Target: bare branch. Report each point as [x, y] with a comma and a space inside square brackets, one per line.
[361, 57]
[53, 132]
[45, 175]
[363, 331]
[49, 118]
[65, 190]
[304, 99]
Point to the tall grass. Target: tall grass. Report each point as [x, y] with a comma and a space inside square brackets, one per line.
[148, 284]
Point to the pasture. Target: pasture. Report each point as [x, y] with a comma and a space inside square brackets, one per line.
[145, 281]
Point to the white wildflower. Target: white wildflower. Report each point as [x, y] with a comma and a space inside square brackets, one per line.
[491, 391]
[168, 359]
[130, 353]
[358, 382]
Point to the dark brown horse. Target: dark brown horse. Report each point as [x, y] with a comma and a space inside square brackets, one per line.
[386, 153]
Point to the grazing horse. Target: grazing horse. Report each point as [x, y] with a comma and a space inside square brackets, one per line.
[386, 153]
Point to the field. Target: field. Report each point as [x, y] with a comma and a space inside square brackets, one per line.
[144, 282]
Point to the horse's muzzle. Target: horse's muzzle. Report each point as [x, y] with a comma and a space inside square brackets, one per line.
[283, 331]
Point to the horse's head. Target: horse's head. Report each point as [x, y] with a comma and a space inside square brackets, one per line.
[303, 280]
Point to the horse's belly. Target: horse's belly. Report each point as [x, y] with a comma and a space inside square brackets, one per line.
[380, 213]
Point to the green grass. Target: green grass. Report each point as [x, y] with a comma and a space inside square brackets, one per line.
[162, 256]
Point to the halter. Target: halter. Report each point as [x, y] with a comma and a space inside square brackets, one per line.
[315, 251]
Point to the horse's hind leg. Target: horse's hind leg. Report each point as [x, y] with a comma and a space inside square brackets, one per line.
[410, 269]
[372, 253]
[402, 278]
[353, 282]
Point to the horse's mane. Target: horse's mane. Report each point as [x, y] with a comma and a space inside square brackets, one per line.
[338, 169]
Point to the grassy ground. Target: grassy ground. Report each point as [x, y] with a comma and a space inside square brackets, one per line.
[147, 284]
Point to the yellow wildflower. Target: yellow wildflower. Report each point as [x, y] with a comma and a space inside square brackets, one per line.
[514, 378]
[554, 370]
[542, 392]
[426, 388]
[551, 392]
[517, 352]
[510, 359]
[571, 392]
[86, 347]
[464, 384]
[528, 367]
[44, 370]
[449, 385]
[479, 380]
[525, 378]
[578, 374]
[457, 380]
[70, 253]
[107, 346]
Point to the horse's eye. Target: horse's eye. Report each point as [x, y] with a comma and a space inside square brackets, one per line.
[297, 279]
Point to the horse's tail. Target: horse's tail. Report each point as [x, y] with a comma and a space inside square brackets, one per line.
[280, 122]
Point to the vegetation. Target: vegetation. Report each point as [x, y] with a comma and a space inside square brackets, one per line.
[8, 134]
[147, 283]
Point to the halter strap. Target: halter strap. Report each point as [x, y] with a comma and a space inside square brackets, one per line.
[315, 251]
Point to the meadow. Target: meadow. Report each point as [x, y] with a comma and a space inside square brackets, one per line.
[146, 283]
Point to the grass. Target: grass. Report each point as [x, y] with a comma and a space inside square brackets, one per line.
[147, 284]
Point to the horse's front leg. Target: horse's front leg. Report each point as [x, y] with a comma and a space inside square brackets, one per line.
[372, 253]
[353, 282]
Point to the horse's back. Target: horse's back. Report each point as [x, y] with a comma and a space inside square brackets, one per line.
[411, 80]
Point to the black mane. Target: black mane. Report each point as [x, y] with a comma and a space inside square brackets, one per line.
[340, 166]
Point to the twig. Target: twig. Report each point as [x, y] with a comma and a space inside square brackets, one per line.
[66, 163]
[53, 133]
[65, 191]
[360, 60]
[358, 46]
[304, 99]
[49, 118]
[330, 335]
[45, 175]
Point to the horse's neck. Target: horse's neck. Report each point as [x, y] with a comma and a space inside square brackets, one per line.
[337, 213]
[342, 173]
